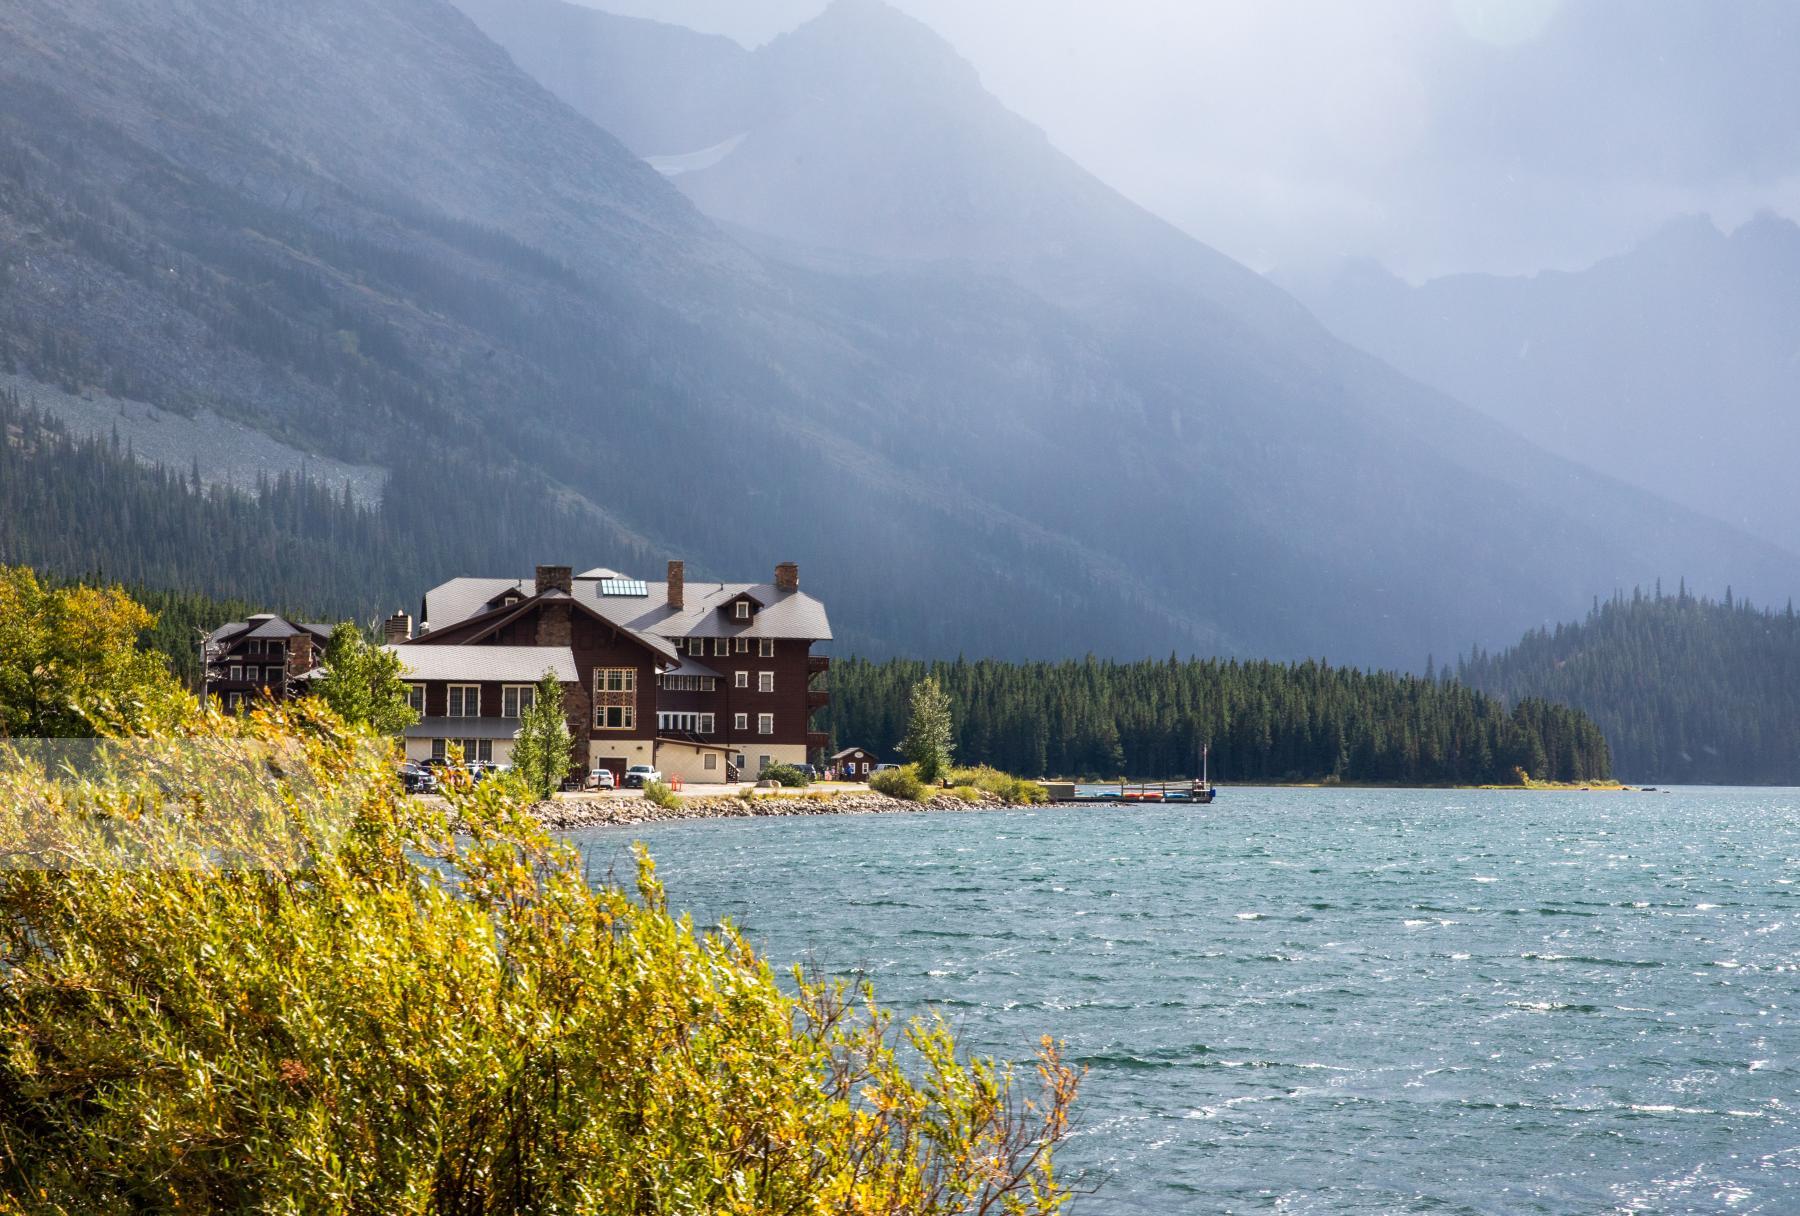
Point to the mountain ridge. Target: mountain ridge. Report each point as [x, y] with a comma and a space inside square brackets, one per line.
[1026, 457]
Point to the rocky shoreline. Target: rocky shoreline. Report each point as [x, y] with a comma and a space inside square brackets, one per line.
[571, 814]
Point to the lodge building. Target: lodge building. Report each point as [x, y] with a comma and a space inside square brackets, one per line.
[266, 656]
[709, 682]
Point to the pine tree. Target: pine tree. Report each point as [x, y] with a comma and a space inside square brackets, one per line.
[545, 748]
[929, 734]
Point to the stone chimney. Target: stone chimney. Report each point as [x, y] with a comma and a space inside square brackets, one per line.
[396, 629]
[677, 586]
[787, 577]
[559, 578]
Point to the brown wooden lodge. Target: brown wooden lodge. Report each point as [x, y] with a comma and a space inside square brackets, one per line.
[706, 682]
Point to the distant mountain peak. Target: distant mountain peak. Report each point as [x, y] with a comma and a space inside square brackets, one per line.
[861, 33]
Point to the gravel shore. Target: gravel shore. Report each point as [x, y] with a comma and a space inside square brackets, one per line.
[568, 814]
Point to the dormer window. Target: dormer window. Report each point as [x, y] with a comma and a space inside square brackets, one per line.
[741, 610]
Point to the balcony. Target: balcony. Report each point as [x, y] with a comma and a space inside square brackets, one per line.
[817, 740]
[817, 698]
[818, 664]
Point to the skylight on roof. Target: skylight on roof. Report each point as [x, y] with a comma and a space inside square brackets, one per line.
[624, 586]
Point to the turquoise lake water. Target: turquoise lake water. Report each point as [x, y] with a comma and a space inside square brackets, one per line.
[1311, 1001]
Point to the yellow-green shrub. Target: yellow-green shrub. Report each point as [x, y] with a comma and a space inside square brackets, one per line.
[1016, 791]
[902, 782]
[304, 994]
[662, 795]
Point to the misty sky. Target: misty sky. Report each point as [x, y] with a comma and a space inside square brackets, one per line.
[1433, 135]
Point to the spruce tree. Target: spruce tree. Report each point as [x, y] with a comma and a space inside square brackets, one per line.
[928, 732]
[545, 747]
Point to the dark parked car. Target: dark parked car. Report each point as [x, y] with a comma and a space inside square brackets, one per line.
[417, 778]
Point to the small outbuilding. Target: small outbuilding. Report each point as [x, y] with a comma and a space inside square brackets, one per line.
[854, 764]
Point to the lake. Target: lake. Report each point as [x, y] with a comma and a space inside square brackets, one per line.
[1313, 1001]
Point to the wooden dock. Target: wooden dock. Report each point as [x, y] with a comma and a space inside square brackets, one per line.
[1127, 793]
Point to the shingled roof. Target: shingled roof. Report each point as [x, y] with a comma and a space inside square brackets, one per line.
[784, 614]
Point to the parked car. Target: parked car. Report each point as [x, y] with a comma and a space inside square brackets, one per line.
[602, 779]
[882, 768]
[811, 771]
[417, 778]
[640, 775]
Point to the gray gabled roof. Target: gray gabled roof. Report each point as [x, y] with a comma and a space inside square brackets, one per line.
[273, 627]
[784, 614]
[508, 664]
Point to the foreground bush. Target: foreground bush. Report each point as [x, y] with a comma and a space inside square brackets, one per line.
[662, 794]
[902, 782]
[241, 973]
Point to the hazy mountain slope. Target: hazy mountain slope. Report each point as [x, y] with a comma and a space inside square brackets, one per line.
[364, 229]
[1673, 366]
[664, 89]
[1248, 458]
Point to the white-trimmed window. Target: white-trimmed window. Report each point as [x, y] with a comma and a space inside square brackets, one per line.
[742, 679]
[711, 762]
[764, 762]
[765, 724]
[615, 698]
[707, 724]
[515, 699]
[415, 698]
[765, 648]
[233, 700]
[237, 671]
[743, 646]
[440, 749]
[721, 647]
[252, 674]
[741, 610]
[765, 681]
[464, 701]
[740, 721]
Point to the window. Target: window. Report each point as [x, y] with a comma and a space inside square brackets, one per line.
[765, 648]
[743, 645]
[740, 722]
[741, 610]
[415, 697]
[711, 762]
[687, 683]
[707, 723]
[765, 724]
[739, 762]
[721, 646]
[472, 749]
[255, 646]
[237, 671]
[465, 701]
[765, 681]
[438, 749]
[233, 700]
[251, 674]
[615, 698]
[763, 763]
[515, 699]
[743, 679]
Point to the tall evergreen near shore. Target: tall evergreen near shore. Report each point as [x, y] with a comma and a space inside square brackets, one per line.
[1263, 721]
[1687, 689]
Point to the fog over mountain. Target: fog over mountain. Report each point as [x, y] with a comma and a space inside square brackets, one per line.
[1675, 366]
[1434, 137]
[859, 314]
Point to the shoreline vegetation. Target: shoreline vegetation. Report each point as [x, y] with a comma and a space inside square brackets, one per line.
[244, 972]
